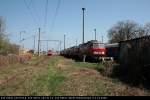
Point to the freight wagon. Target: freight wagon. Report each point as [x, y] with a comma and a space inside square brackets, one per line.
[112, 50]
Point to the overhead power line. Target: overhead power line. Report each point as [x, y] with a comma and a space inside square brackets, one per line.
[55, 15]
[30, 2]
[46, 10]
[30, 11]
[35, 10]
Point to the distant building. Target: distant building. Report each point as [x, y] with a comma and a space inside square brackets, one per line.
[23, 51]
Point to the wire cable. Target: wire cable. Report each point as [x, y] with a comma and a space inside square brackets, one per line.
[28, 7]
[34, 10]
[46, 10]
[55, 15]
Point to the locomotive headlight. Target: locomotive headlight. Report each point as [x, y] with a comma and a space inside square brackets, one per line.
[103, 52]
[95, 52]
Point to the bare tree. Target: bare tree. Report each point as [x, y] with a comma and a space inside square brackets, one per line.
[2, 25]
[125, 30]
[2, 36]
[147, 28]
[140, 31]
[5, 46]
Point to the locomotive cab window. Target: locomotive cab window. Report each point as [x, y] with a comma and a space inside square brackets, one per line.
[97, 45]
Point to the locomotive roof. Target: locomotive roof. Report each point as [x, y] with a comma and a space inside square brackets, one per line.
[112, 45]
[92, 41]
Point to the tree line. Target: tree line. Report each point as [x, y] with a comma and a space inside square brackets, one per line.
[5, 46]
[126, 30]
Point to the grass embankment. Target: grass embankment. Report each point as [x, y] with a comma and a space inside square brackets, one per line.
[83, 79]
[37, 77]
[60, 76]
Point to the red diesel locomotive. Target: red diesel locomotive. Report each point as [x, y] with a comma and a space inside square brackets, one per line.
[91, 49]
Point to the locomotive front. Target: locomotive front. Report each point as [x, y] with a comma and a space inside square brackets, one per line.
[98, 49]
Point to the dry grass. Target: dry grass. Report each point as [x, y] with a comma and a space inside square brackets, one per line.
[59, 76]
[13, 78]
[13, 59]
[85, 81]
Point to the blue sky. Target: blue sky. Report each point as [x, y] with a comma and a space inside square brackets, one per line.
[99, 14]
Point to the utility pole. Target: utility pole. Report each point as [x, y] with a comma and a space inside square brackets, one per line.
[60, 45]
[95, 33]
[34, 43]
[102, 39]
[21, 46]
[47, 46]
[39, 42]
[64, 41]
[83, 23]
[20, 35]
